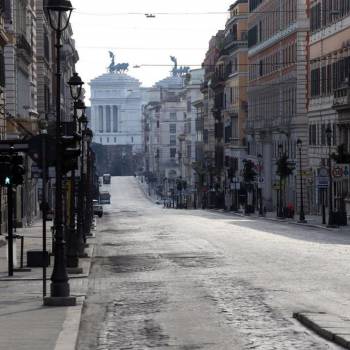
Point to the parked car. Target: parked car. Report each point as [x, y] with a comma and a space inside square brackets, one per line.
[106, 179]
[105, 197]
[98, 210]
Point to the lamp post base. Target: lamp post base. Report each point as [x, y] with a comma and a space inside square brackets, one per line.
[74, 270]
[60, 301]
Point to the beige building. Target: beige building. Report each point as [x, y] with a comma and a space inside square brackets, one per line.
[235, 59]
[277, 93]
[328, 106]
[3, 41]
[191, 96]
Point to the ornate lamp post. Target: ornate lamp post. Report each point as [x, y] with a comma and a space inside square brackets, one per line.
[88, 184]
[261, 211]
[280, 199]
[83, 121]
[331, 220]
[301, 213]
[59, 12]
[75, 84]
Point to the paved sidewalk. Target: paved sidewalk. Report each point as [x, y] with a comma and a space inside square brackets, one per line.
[25, 322]
[330, 327]
[311, 220]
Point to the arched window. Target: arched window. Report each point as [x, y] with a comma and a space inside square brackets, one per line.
[100, 118]
[108, 119]
[115, 119]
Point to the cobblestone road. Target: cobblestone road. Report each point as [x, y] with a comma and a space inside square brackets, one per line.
[171, 279]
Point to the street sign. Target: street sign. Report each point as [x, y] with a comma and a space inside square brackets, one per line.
[235, 186]
[322, 182]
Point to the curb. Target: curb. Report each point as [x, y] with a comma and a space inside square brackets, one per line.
[334, 329]
[68, 337]
[274, 220]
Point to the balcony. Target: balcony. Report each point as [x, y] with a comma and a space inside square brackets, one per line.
[219, 79]
[341, 103]
[342, 99]
[231, 42]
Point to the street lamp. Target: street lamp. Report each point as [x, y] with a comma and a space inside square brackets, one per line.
[83, 121]
[75, 85]
[301, 213]
[331, 221]
[280, 205]
[261, 212]
[59, 12]
[88, 195]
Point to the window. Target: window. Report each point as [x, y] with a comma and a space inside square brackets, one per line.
[100, 119]
[315, 82]
[253, 36]
[172, 152]
[107, 139]
[108, 119]
[46, 46]
[312, 134]
[253, 4]
[205, 136]
[172, 128]
[172, 116]
[100, 139]
[115, 140]
[235, 131]
[228, 131]
[172, 140]
[115, 119]
[189, 151]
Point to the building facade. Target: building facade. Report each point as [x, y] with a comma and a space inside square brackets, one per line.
[188, 140]
[234, 112]
[329, 73]
[277, 93]
[21, 94]
[116, 110]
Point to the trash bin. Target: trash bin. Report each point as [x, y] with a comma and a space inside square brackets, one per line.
[37, 258]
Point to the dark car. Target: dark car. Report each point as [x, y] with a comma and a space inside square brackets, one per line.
[98, 210]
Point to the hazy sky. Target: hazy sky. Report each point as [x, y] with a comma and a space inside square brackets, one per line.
[103, 25]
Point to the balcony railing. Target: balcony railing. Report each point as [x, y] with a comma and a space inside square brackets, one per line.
[342, 99]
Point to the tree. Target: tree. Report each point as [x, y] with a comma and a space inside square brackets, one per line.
[342, 156]
[285, 168]
[249, 174]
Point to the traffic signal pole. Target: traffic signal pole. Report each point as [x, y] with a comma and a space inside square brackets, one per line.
[10, 228]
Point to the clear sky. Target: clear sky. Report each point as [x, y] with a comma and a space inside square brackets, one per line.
[183, 30]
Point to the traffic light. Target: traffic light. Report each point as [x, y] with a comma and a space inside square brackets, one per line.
[70, 152]
[5, 170]
[17, 171]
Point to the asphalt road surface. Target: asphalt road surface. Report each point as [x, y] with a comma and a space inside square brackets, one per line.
[193, 279]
